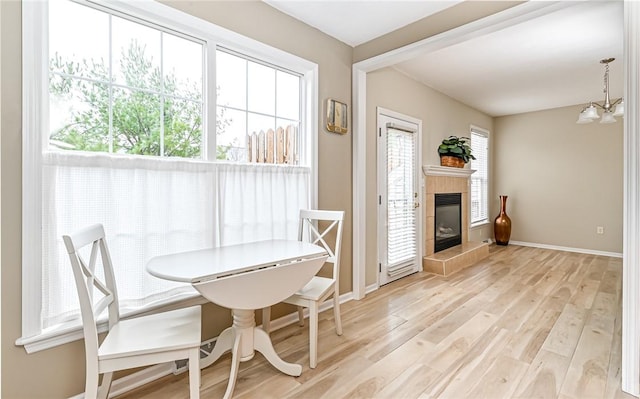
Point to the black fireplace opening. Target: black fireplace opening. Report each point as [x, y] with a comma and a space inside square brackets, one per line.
[448, 221]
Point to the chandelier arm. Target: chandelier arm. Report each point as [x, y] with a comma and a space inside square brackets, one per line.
[611, 105]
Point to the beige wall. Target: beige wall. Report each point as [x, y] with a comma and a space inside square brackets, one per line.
[59, 372]
[562, 179]
[441, 117]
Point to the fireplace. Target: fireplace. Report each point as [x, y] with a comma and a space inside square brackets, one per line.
[448, 221]
[444, 180]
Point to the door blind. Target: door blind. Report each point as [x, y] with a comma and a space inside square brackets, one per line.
[401, 221]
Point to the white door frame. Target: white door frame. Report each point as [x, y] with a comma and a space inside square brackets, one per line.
[631, 213]
[419, 185]
[493, 23]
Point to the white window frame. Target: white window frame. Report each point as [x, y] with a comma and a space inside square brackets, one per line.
[486, 133]
[246, 110]
[35, 119]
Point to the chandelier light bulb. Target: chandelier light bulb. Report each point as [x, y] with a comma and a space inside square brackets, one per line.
[619, 109]
[591, 112]
[583, 119]
[607, 117]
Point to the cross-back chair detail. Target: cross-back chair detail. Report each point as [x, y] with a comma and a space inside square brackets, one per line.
[91, 280]
[135, 342]
[319, 289]
[319, 236]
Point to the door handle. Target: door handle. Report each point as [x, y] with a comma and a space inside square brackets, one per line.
[416, 204]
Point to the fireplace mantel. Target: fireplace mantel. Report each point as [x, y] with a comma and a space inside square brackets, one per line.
[434, 170]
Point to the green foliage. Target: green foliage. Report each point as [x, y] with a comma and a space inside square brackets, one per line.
[222, 151]
[136, 114]
[456, 147]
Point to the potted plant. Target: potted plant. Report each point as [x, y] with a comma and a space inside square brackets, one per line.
[454, 151]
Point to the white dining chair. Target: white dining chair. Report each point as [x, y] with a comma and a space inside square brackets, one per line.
[317, 226]
[135, 342]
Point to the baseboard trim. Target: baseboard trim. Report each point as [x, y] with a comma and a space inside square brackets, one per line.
[568, 249]
[370, 288]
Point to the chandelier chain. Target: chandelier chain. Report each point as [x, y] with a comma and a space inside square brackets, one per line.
[606, 77]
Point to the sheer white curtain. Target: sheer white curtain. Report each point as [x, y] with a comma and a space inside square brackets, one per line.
[152, 206]
[147, 206]
[258, 202]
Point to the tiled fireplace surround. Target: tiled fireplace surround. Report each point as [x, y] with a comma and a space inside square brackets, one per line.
[442, 179]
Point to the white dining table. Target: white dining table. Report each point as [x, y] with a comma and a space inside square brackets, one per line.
[243, 278]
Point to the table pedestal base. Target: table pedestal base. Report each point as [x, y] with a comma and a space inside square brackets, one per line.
[243, 338]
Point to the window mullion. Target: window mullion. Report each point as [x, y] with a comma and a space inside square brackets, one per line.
[246, 99]
[210, 101]
[275, 111]
[110, 84]
[162, 94]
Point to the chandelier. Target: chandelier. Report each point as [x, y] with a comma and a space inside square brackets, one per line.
[590, 112]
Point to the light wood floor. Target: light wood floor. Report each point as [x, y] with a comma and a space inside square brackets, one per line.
[524, 323]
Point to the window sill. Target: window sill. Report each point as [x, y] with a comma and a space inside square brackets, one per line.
[478, 225]
[72, 331]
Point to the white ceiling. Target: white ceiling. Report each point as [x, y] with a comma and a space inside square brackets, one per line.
[357, 22]
[548, 62]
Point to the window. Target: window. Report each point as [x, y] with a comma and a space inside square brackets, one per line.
[121, 86]
[258, 110]
[134, 121]
[480, 179]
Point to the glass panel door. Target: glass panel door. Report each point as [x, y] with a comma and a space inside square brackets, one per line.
[398, 198]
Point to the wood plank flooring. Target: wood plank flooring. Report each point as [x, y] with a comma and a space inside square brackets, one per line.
[523, 323]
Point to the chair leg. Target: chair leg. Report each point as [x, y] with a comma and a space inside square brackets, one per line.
[313, 334]
[105, 387]
[266, 319]
[301, 316]
[194, 373]
[336, 313]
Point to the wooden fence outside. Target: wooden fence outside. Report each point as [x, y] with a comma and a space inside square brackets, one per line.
[279, 147]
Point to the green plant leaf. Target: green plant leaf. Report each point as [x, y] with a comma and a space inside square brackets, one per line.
[456, 147]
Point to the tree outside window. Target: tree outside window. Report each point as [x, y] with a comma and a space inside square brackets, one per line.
[129, 89]
[136, 113]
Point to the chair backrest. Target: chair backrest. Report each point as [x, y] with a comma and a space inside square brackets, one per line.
[95, 294]
[320, 225]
